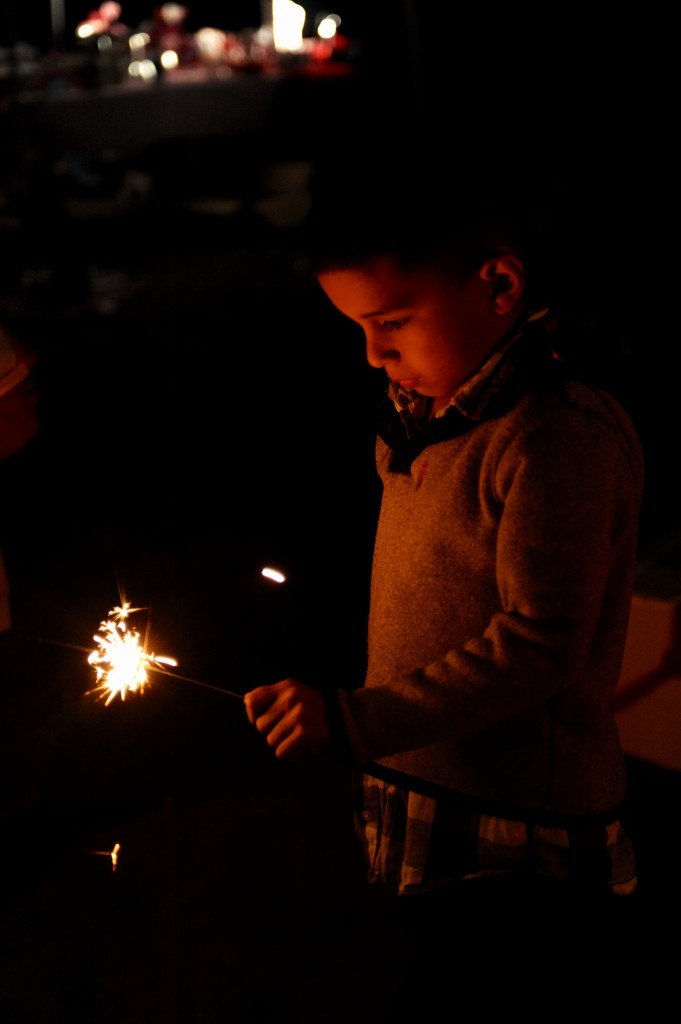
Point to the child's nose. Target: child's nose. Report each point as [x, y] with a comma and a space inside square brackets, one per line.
[378, 352]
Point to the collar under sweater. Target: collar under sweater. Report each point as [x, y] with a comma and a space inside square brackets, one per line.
[523, 358]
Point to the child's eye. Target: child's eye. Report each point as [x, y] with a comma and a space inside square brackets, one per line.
[392, 325]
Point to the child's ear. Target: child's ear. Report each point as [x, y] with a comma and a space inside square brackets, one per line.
[505, 276]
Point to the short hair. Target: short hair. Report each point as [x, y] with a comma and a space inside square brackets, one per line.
[427, 207]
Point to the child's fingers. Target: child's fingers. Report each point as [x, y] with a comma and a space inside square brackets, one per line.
[257, 701]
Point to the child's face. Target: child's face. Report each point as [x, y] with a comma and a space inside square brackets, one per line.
[428, 330]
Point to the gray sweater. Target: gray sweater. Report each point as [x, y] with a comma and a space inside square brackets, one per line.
[501, 587]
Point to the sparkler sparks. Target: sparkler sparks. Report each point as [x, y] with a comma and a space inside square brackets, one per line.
[121, 662]
[109, 853]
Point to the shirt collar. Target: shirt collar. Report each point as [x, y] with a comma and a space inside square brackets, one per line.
[473, 396]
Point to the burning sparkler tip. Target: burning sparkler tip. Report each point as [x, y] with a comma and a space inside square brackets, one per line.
[120, 660]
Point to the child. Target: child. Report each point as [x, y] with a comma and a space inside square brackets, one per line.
[487, 760]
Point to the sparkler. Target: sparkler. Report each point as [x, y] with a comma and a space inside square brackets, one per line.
[120, 660]
[122, 663]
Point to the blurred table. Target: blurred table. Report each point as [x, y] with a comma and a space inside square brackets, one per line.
[284, 108]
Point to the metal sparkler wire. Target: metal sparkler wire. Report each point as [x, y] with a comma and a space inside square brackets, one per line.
[197, 682]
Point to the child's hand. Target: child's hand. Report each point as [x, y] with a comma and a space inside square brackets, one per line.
[291, 716]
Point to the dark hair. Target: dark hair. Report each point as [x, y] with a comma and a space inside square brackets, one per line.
[423, 208]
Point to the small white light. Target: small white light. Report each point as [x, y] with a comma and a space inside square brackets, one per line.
[144, 69]
[328, 26]
[169, 60]
[139, 41]
[273, 574]
[288, 21]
